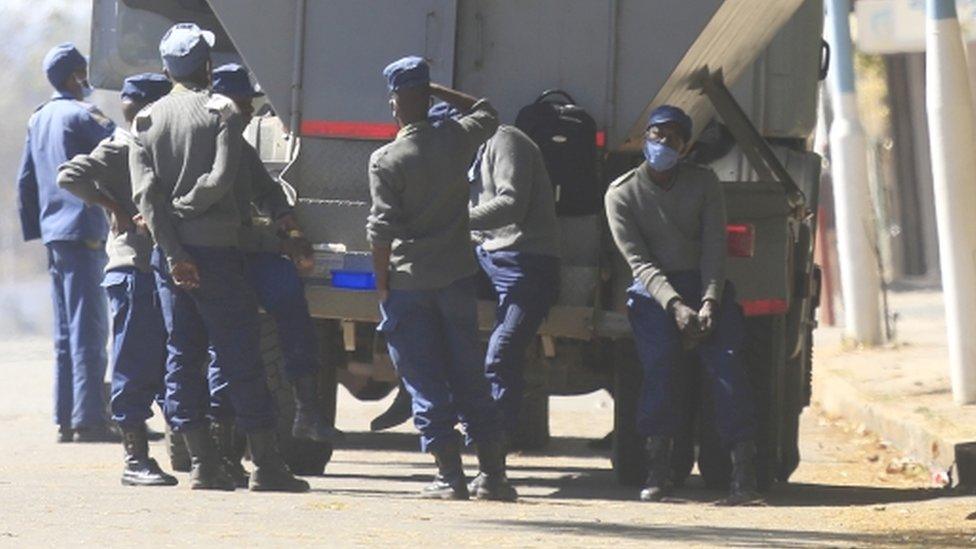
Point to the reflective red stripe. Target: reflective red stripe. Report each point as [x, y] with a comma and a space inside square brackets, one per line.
[601, 139]
[349, 130]
[760, 307]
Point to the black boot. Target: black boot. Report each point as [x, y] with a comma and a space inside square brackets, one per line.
[179, 456]
[658, 483]
[271, 474]
[206, 470]
[65, 434]
[98, 434]
[399, 411]
[492, 482]
[309, 422]
[224, 437]
[449, 481]
[140, 469]
[744, 489]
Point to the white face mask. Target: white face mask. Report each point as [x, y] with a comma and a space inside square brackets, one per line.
[86, 88]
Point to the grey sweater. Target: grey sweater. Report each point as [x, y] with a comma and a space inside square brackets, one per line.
[420, 193]
[258, 195]
[105, 172]
[512, 205]
[659, 231]
[184, 174]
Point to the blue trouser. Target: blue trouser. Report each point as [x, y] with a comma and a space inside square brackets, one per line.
[659, 346]
[526, 285]
[138, 344]
[222, 313]
[432, 336]
[281, 292]
[80, 332]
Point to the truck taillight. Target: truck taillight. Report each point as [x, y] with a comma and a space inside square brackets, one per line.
[741, 240]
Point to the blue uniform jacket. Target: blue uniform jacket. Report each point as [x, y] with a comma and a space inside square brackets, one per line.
[60, 129]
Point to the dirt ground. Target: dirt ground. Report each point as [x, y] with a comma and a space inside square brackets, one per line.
[851, 490]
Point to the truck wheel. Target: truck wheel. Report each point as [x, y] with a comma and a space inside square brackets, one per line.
[798, 380]
[627, 456]
[533, 422]
[766, 365]
[304, 457]
[714, 461]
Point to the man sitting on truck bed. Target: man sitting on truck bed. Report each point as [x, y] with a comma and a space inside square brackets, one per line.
[668, 220]
[424, 265]
[513, 220]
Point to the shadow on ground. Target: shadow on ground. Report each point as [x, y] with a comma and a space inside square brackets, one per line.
[733, 537]
[410, 442]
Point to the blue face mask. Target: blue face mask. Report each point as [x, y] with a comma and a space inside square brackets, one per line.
[660, 156]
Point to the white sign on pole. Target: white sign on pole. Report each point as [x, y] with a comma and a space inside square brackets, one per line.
[898, 26]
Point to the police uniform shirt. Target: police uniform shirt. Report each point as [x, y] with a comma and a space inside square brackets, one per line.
[420, 193]
[59, 130]
[677, 228]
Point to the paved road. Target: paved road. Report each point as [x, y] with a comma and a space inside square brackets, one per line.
[69, 495]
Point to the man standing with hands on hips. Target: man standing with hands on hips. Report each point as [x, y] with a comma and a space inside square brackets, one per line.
[668, 220]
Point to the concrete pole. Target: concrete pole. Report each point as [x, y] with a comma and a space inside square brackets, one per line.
[952, 134]
[856, 239]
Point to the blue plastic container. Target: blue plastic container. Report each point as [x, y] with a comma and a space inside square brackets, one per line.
[353, 280]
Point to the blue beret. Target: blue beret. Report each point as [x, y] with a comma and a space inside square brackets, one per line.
[441, 112]
[61, 61]
[146, 88]
[409, 72]
[185, 48]
[232, 80]
[668, 113]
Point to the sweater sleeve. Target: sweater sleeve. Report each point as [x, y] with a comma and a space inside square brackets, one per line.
[385, 215]
[635, 250]
[511, 164]
[154, 205]
[713, 233]
[87, 175]
[477, 127]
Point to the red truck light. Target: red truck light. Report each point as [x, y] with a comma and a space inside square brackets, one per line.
[741, 240]
[762, 307]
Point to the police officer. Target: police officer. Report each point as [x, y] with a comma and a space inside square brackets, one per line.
[139, 337]
[418, 230]
[74, 234]
[183, 181]
[513, 220]
[274, 255]
[667, 218]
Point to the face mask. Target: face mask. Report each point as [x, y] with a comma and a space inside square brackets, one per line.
[660, 156]
[86, 89]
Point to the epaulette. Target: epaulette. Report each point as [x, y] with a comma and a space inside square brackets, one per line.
[222, 105]
[143, 120]
[96, 114]
[624, 178]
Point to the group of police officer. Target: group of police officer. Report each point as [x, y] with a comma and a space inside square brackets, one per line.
[187, 266]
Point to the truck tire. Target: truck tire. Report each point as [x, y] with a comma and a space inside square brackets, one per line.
[798, 381]
[533, 421]
[629, 464]
[304, 457]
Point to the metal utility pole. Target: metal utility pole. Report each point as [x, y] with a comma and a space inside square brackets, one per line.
[952, 133]
[856, 241]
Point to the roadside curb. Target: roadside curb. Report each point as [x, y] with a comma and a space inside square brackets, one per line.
[909, 433]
